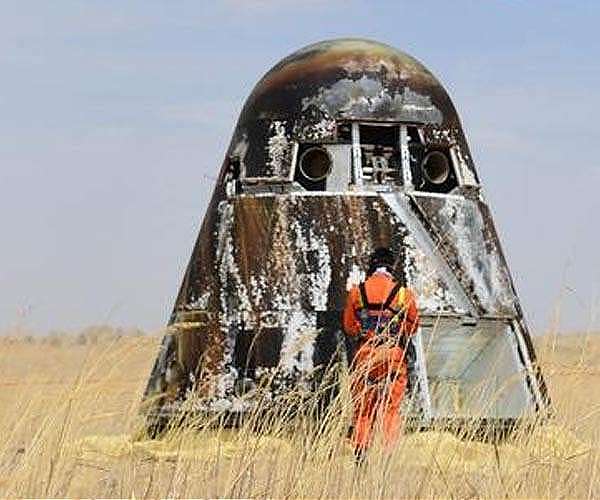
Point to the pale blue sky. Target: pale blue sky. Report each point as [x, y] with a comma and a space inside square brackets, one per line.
[115, 115]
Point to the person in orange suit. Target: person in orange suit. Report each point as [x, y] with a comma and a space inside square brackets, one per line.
[382, 314]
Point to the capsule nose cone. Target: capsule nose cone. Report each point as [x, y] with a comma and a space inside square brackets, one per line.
[305, 98]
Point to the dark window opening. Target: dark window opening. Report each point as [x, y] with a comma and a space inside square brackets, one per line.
[344, 133]
[380, 153]
[379, 136]
[414, 137]
[234, 167]
[416, 151]
[232, 174]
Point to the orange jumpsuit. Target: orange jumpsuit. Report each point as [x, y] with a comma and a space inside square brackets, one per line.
[379, 370]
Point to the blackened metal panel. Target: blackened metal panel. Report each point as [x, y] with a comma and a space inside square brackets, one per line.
[426, 267]
[465, 234]
[298, 251]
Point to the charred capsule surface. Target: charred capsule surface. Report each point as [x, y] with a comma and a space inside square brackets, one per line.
[344, 146]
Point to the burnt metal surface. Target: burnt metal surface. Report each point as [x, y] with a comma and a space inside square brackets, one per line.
[264, 289]
[302, 97]
[466, 236]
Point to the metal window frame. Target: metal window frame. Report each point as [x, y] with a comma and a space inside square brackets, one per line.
[357, 172]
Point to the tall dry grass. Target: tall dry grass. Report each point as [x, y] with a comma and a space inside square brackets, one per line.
[70, 426]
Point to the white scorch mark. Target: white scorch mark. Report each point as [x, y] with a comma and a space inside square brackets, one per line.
[466, 232]
[278, 149]
[355, 276]
[368, 96]
[239, 151]
[199, 303]
[434, 295]
[298, 344]
[467, 172]
[319, 278]
[229, 278]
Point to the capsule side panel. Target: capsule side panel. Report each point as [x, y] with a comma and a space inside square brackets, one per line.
[468, 239]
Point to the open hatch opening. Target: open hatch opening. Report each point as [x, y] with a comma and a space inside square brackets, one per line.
[380, 154]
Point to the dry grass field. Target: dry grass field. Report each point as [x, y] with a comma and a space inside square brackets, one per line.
[69, 427]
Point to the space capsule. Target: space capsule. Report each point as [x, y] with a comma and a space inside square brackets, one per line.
[344, 146]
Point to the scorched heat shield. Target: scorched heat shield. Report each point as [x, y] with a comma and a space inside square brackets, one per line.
[344, 146]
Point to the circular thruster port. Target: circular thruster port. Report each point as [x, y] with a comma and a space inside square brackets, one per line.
[436, 167]
[315, 164]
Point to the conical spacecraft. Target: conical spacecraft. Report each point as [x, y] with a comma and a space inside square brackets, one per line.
[344, 146]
